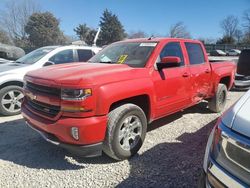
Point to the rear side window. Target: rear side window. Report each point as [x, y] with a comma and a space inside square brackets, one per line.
[84, 55]
[172, 49]
[65, 56]
[195, 53]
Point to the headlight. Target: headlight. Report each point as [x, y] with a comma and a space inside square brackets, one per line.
[75, 94]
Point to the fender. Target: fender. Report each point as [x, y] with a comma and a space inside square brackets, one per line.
[114, 92]
[10, 78]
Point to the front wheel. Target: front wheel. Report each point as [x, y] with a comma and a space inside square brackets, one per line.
[126, 131]
[218, 102]
[10, 100]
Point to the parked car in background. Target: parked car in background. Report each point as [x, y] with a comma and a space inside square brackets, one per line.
[11, 74]
[10, 52]
[242, 77]
[227, 157]
[217, 53]
[106, 104]
[233, 52]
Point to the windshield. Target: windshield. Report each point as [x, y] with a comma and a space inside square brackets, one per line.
[35, 55]
[134, 54]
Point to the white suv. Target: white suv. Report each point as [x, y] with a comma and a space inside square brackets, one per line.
[11, 74]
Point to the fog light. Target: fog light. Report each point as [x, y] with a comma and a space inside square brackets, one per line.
[75, 133]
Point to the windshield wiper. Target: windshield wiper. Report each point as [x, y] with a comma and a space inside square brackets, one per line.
[110, 62]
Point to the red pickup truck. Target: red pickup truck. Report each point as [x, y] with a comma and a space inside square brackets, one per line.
[107, 103]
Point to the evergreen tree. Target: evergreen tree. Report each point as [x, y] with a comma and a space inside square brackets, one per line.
[111, 29]
[85, 33]
[43, 30]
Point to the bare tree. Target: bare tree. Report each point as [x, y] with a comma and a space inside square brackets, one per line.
[246, 25]
[15, 16]
[179, 30]
[229, 26]
[138, 34]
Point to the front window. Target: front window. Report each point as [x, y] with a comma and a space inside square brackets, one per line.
[35, 55]
[134, 54]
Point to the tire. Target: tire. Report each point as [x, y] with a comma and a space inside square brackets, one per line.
[10, 100]
[127, 120]
[202, 180]
[218, 102]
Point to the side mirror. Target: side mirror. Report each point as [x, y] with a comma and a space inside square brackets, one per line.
[169, 61]
[48, 63]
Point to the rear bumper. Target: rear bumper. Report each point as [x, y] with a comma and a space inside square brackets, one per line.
[91, 131]
[218, 177]
[91, 150]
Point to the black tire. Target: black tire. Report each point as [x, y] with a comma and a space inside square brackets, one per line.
[218, 102]
[202, 180]
[116, 120]
[4, 107]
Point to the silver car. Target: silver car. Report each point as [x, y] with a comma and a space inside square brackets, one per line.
[227, 157]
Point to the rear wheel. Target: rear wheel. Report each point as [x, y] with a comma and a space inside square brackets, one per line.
[218, 102]
[126, 131]
[10, 100]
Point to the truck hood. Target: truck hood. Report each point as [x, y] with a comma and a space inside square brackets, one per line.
[6, 68]
[237, 117]
[86, 73]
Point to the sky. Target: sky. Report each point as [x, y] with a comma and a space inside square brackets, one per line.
[201, 17]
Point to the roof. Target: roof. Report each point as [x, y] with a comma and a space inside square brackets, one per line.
[159, 39]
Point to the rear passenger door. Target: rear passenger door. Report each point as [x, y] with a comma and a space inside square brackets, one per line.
[200, 71]
[84, 54]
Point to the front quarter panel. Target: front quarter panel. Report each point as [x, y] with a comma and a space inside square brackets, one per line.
[114, 92]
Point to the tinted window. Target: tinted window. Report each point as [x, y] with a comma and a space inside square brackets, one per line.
[65, 56]
[195, 53]
[172, 49]
[84, 55]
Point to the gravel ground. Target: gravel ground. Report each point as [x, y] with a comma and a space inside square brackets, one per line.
[170, 157]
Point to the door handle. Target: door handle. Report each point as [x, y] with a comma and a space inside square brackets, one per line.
[185, 74]
[207, 71]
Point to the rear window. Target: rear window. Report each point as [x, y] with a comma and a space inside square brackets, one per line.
[84, 55]
[195, 53]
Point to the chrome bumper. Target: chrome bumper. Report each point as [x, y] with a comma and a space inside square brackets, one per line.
[218, 177]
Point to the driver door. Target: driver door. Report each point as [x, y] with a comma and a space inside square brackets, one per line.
[172, 84]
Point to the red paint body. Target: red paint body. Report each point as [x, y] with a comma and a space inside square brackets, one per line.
[110, 83]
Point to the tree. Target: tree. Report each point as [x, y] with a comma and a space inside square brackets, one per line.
[226, 40]
[246, 26]
[4, 38]
[229, 27]
[85, 33]
[14, 18]
[179, 30]
[111, 29]
[82, 31]
[138, 34]
[43, 29]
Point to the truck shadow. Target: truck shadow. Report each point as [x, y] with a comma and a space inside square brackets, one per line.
[21, 145]
[175, 164]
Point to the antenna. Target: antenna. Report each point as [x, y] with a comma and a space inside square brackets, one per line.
[96, 36]
[150, 38]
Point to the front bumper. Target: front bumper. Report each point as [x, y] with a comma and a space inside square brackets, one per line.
[218, 177]
[92, 132]
[91, 150]
[242, 84]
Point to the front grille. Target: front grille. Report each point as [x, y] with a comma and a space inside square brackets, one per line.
[46, 109]
[43, 89]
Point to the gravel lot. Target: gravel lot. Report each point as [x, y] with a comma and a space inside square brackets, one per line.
[170, 157]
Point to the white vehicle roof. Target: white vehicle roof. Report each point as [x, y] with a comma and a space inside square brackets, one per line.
[93, 48]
